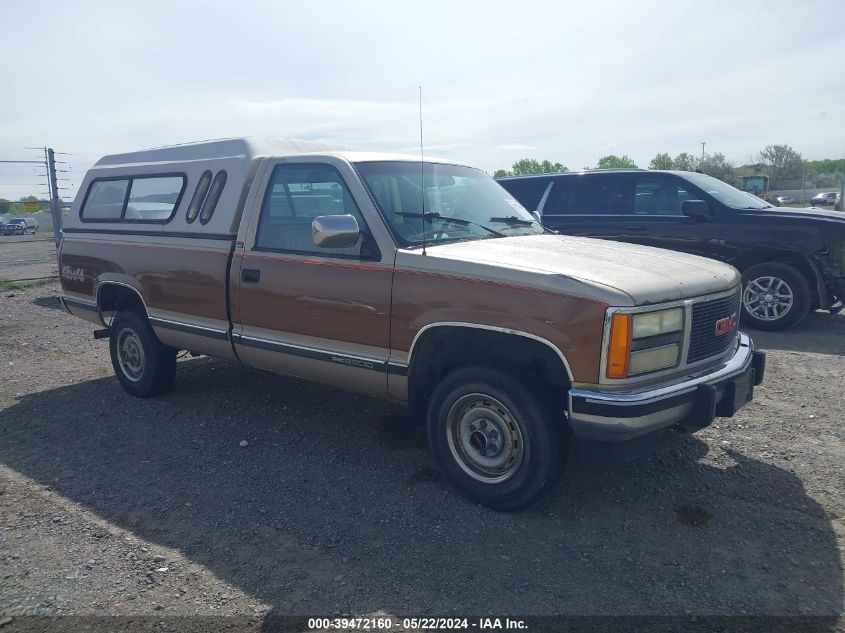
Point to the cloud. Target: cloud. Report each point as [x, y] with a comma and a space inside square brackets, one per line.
[515, 147]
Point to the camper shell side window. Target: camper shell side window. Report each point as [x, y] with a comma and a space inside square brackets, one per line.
[145, 198]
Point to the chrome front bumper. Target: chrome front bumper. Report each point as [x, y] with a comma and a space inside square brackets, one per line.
[692, 403]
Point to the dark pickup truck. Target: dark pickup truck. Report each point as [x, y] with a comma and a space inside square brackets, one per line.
[792, 260]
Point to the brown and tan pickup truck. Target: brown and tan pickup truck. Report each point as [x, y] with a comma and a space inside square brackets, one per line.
[424, 282]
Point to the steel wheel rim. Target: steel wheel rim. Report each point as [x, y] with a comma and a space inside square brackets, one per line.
[130, 355]
[768, 298]
[485, 439]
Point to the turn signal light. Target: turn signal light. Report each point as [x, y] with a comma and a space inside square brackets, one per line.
[619, 345]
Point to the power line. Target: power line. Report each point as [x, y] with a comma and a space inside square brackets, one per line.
[74, 167]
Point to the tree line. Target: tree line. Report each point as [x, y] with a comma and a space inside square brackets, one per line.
[785, 167]
[17, 207]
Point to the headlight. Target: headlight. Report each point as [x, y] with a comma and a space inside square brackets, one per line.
[646, 360]
[630, 351]
[655, 323]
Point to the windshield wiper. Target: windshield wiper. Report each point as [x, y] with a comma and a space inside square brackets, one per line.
[512, 220]
[433, 215]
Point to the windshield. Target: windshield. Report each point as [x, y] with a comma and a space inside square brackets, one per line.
[724, 193]
[458, 203]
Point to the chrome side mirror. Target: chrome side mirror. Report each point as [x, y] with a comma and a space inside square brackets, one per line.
[335, 231]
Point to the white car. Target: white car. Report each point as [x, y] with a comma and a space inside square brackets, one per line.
[829, 197]
[784, 200]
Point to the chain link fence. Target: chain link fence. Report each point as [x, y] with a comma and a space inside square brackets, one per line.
[28, 258]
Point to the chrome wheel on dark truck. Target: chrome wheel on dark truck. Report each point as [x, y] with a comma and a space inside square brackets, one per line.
[775, 296]
[495, 437]
[141, 363]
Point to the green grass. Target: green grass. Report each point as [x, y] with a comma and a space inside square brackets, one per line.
[29, 283]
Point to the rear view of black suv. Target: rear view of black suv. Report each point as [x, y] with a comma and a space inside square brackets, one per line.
[792, 260]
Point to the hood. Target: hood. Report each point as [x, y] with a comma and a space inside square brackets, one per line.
[806, 212]
[598, 269]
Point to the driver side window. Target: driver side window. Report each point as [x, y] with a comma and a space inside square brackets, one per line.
[295, 196]
[658, 196]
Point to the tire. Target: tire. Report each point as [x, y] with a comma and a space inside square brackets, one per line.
[485, 408]
[788, 286]
[141, 363]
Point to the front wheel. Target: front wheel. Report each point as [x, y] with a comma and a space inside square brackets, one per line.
[141, 363]
[496, 437]
[775, 296]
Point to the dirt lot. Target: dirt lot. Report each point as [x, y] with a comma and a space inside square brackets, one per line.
[113, 505]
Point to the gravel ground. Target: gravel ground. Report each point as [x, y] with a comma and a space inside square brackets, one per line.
[110, 505]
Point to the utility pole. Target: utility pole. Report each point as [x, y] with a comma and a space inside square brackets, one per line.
[702, 149]
[55, 203]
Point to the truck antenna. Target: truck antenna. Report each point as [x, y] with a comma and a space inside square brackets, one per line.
[422, 177]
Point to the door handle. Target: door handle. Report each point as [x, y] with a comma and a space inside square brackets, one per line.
[250, 275]
[636, 227]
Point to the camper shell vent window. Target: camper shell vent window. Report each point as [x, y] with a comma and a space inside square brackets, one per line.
[140, 199]
[213, 196]
[199, 195]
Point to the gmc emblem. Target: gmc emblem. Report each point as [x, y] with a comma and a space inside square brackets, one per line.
[726, 325]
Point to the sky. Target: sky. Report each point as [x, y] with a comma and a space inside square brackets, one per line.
[564, 81]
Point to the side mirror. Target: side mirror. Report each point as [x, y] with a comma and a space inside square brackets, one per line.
[335, 231]
[696, 209]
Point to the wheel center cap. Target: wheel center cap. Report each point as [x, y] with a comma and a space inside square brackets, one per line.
[769, 298]
[487, 440]
[478, 441]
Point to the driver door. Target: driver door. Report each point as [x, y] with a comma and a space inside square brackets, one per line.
[655, 215]
[318, 313]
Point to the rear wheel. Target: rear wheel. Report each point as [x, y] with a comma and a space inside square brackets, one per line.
[496, 437]
[141, 363]
[775, 296]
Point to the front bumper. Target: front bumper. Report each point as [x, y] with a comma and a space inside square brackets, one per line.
[689, 405]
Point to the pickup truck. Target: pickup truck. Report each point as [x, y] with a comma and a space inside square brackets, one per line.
[422, 282]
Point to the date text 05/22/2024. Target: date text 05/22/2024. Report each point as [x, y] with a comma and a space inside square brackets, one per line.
[387, 623]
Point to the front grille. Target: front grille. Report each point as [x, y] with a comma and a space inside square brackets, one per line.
[703, 341]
